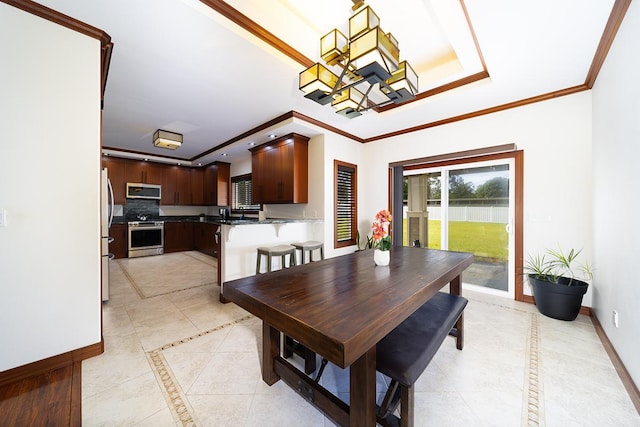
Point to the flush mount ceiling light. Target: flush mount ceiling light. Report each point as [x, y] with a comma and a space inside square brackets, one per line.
[166, 139]
[363, 71]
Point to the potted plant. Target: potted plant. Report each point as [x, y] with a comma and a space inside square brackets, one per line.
[381, 240]
[557, 290]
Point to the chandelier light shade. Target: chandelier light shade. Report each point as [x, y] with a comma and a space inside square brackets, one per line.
[166, 139]
[369, 60]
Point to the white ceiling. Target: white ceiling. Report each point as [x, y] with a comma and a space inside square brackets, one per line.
[178, 65]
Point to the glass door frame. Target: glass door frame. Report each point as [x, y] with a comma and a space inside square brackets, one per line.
[396, 176]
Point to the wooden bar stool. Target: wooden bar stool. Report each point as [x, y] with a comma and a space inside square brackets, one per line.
[275, 251]
[309, 246]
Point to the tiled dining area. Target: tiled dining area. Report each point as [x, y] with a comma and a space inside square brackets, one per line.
[182, 358]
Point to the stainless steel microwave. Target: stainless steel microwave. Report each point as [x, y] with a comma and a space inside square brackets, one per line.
[143, 191]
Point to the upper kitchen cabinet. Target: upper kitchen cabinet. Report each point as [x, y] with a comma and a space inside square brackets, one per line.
[116, 171]
[145, 172]
[280, 170]
[197, 186]
[216, 184]
[176, 186]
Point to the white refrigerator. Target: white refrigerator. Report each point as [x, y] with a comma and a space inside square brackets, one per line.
[106, 217]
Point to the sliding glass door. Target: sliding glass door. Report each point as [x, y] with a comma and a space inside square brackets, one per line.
[465, 207]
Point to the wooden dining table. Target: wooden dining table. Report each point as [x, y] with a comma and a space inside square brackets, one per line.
[340, 308]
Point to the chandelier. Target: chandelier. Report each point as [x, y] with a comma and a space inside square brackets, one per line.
[363, 71]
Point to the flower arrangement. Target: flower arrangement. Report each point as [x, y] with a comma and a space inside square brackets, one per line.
[380, 238]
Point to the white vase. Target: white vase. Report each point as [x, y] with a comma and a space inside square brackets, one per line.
[381, 258]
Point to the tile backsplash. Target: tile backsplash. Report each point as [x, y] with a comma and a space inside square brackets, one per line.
[134, 207]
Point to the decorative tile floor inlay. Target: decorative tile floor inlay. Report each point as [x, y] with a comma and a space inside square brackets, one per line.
[533, 405]
[176, 399]
[163, 274]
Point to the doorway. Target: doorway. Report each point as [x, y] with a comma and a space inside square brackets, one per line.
[466, 206]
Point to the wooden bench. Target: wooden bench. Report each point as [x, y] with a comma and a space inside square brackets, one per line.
[405, 352]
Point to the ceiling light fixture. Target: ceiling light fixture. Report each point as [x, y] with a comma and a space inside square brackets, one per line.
[166, 139]
[368, 62]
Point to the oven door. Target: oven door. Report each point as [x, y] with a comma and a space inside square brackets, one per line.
[146, 240]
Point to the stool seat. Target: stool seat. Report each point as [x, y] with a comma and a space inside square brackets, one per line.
[309, 246]
[276, 251]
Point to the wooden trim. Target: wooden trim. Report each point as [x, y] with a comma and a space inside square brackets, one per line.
[518, 226]
[354, 219]
[51, 363]
[625, 377]
[610, 31]
[260, 32]
[490, 110]
[75, 417]
[318, 123]
[420, 162]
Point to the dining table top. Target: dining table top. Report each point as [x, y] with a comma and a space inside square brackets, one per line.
[341, 307]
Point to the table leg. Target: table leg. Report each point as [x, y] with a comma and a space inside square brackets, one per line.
[362, 387]
[270, 349]
[455, 287]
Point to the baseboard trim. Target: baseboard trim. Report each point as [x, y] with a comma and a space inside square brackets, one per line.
[626, 379]
[49, 364]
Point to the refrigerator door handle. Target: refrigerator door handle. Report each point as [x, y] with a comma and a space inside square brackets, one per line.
[111, 256]
[111, 202]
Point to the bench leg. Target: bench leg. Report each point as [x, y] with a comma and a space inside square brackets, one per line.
[460, 332]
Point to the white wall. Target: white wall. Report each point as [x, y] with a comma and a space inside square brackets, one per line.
[50, 187]
[616, 149]
[556, 138]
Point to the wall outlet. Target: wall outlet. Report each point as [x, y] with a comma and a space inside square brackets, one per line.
[615, 318]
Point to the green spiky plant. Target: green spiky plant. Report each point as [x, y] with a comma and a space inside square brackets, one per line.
[558, 264]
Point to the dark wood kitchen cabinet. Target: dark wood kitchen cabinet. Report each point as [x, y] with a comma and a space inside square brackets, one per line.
[144, 172]
[197, 186]
[119, 245]
[279, 171]
[178, 236]
[176, 186]
[216, 184]
[204, 238]
[116, 171]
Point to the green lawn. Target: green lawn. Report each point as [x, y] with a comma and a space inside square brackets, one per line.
[487, 241]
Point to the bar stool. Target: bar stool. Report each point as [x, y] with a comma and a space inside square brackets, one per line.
[275, 251]
[309, 246]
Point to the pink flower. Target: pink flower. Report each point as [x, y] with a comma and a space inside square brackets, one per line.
[380, 227]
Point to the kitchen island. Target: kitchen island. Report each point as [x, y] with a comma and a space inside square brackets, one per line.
[240, 239]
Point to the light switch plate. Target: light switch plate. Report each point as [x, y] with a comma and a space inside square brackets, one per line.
[3, 217]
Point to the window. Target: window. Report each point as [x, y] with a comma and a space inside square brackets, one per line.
[345, 193]
[241, 195]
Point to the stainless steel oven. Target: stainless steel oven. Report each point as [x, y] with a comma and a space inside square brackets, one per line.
[145, 238]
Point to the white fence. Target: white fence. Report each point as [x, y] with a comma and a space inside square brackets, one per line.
[498, 214]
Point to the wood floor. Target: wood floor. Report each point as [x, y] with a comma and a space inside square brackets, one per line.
[49, 399]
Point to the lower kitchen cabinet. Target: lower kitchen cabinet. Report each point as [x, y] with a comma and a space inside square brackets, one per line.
[119, 245]
[178, 236]
[204, 238]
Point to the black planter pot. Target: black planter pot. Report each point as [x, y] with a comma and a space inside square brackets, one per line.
[558, 300]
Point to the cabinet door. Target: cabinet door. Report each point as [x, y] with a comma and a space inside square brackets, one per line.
[210, 185]
[178, 236]
[153, 173]
[119, 245]
[117, 175]
[197, 186]
[183, 186]
[169, 186]
[223, 184]
[134, 171]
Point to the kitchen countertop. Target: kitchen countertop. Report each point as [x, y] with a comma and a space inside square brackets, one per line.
[215, 220]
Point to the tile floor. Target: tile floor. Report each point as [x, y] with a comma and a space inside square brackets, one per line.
[183, 358]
